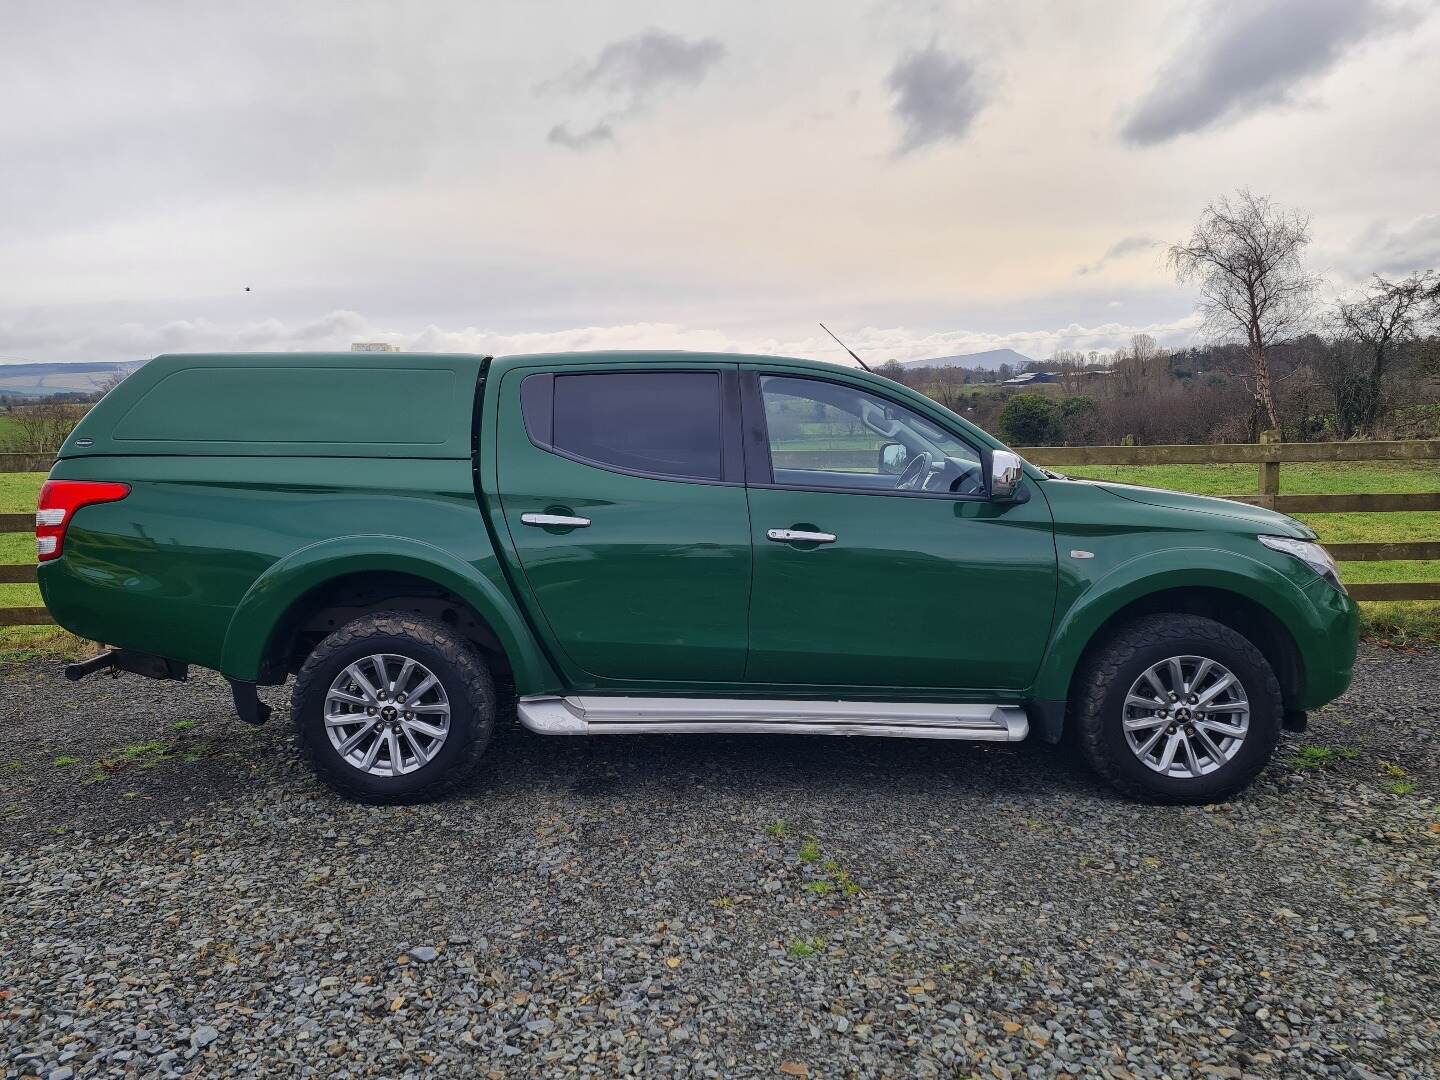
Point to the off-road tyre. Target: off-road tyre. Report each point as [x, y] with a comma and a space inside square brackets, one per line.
[461, 671]
[1099, 698]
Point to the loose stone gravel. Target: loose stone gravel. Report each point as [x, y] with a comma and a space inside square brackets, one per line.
[183, 898]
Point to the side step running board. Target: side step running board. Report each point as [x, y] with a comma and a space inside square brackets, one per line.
[591, 715]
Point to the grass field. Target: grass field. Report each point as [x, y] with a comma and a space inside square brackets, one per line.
[1399, 622]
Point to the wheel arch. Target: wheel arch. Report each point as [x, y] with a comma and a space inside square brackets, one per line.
[1252, 599]
[327, 583]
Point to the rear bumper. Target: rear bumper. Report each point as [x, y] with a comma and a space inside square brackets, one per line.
[1330, 654]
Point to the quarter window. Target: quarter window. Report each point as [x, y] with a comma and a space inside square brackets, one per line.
[665, 422]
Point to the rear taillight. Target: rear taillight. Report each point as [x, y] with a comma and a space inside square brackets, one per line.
[59, 499]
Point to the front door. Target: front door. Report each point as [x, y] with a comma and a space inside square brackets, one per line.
[622, 495]
[879, 560]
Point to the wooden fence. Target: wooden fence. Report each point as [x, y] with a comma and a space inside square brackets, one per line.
[1269, 456]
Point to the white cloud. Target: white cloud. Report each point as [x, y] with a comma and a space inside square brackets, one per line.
[338, 329]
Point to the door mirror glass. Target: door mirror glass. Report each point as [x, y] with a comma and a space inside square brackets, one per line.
[1005, 475]
[893, 457]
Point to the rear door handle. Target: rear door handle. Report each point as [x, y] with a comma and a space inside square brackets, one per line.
[799, 536]
[564, 520]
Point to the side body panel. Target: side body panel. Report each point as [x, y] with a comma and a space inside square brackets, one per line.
[655, 590]
[916, 592]
[1137, 549]
[206, 552]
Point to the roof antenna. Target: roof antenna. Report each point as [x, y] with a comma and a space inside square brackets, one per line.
[847, 349]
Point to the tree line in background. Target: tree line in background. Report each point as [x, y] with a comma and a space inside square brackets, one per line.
[1367, 366]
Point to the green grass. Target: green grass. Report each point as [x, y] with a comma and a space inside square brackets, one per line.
[1322, 757]
[803, 948]
[1352, 478]
[19, 490]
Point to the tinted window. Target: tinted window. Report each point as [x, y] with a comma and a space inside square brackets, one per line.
[664, 422]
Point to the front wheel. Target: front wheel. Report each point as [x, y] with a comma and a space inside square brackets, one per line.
[394, 708]
[1178, 709]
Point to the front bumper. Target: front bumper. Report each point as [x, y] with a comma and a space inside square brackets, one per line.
[1330, 655]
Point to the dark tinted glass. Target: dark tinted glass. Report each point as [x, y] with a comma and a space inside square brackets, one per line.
[665, 422]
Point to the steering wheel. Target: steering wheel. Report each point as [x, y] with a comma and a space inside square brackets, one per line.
[915, 473]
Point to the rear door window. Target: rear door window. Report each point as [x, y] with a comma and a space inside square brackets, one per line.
[664, 423]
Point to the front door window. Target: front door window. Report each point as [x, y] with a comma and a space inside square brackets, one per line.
[833, 436]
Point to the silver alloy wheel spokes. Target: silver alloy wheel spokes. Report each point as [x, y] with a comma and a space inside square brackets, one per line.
[387, 715]
[1186, 716]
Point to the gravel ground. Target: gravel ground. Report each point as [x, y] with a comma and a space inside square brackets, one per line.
[184, 899]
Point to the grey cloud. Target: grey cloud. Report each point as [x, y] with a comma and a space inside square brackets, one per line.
[1388, 249]
[1118, 250]
[646, 63]
[561, 135]
[634, 70]
[1250, 56]
[937, 97]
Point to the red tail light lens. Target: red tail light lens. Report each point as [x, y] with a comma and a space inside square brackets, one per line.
[59, 499]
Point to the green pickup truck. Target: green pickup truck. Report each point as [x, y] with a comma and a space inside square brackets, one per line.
[667, 542]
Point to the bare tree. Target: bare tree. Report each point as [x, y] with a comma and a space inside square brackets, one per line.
[40, 429]
[1373, 333]
[1245, 255]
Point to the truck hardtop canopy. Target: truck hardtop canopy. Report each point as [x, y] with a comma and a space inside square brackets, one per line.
[322, 404]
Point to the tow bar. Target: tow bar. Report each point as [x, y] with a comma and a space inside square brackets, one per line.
[137, 663]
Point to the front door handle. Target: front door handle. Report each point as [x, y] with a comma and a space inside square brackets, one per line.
[799, 536]
[562, 520]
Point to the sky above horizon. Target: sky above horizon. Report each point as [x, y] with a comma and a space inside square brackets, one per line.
[928, 178]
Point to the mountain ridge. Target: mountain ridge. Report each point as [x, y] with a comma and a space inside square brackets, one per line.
[990, 359]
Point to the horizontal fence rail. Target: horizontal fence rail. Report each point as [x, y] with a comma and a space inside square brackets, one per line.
[1269, 456]
[1233, 453]
[26, 462]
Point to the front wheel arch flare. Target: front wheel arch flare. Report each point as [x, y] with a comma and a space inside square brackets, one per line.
[1102, 607]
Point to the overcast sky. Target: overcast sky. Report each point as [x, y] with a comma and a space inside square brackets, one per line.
[928, 178]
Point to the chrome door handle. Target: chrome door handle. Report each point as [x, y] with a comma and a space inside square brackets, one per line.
[799, 536]
[542, 520]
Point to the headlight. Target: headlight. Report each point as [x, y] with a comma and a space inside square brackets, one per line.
[1308, 552]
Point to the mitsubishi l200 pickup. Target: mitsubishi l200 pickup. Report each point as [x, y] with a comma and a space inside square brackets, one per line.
[667, 542]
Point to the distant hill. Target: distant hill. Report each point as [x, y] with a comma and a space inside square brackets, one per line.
[991, 359]
[40, 380]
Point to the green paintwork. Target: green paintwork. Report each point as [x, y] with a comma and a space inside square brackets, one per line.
[656, 590]
[258, 479]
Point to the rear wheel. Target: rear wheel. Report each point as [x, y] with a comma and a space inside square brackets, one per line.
[1178, 709]
[394, 708]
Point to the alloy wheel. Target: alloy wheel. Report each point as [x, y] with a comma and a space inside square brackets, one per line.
[1186, 716]
[387, 714]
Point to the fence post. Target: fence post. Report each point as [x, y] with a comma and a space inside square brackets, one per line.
[1269, 473]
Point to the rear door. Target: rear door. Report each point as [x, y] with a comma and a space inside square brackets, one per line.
[622, 492]
[879, 560]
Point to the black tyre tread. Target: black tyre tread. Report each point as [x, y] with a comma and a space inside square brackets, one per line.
[479, 688]
[1102, 672]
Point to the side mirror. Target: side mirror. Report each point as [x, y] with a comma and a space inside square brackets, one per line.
[892, 459]
[1005, 475]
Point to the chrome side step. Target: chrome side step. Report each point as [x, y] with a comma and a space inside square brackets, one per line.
[593, 715]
